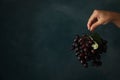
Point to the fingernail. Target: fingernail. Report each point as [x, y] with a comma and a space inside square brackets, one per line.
[88, 28]
[91, 29]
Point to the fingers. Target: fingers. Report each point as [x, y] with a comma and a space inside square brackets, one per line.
[95, 25]
[99, 17]
[92, 20]
[95, 20]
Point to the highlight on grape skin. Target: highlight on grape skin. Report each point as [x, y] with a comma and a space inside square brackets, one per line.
[88, 48]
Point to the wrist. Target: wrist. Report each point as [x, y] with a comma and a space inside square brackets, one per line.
[115, 19]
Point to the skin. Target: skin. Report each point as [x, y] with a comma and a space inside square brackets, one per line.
[102, 17]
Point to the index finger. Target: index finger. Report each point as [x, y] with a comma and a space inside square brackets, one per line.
[91, 20]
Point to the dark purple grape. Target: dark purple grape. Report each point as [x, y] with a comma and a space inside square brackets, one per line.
[75, 40]
[76, 50]
[93, 51]
[81, 51]
[85, 65]
[76, 45]
[83, 46]
[80, 40]
[73, 45]
[87, 45]
[83, 61]
[87, 58]
[77, 53]
[77, 36]
[90, 42]
[104, 41]
[82, 55]
[85, 49]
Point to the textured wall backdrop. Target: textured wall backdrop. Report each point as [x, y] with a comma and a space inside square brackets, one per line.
[36, 37]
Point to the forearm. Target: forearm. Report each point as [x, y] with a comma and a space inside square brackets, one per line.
[116, 19]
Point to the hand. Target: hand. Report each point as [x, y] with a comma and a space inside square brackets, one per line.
[101, 17]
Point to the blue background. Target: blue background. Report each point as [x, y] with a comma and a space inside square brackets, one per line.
[36, 37]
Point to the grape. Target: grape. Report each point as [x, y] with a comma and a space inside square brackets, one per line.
[83, 61]
[76, 49]
[85, 52]
[87, 58]
[78, 57]
[93, 51]
[77, 53]
[85, 49]
[87, 45]
[80, 40]
[85, 65]
[82, 55]
[90, 42]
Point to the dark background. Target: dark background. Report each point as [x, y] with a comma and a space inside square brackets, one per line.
[36, 37]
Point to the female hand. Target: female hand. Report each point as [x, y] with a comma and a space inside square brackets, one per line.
[102, 17]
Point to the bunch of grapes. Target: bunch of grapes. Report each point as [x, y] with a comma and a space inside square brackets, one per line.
[88, 48]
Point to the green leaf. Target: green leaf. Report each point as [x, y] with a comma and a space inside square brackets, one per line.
[96, 37]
